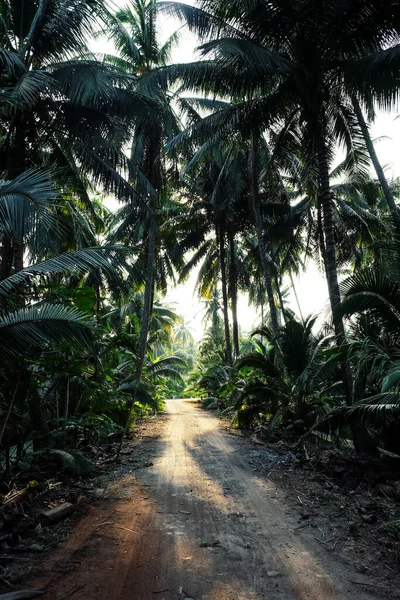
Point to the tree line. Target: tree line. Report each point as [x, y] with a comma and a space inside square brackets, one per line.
[228, 165]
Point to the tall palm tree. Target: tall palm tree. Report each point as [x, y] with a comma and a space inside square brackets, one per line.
[217, 213]
[135, 35]
[244, 170]
[211, 184]
[255, 174]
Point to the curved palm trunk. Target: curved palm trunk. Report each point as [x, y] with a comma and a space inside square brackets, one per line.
[222, 258]
[234, 293]
[66, 409]
[154, 177]
[375, 160]
[321, 241]
[281, 303]
[154, 171]
[256, 209]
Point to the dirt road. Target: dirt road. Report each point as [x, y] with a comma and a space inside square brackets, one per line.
[197, 524]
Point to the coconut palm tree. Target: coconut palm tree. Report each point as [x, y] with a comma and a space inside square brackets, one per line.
[208, 230]
[136, 38]
[243, 171]
[59, 106]
[134, 33]
[183, 333]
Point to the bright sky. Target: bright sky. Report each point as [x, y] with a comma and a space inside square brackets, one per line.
[311, 286]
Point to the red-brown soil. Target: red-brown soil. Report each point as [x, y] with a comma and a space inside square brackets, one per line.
[199, 522]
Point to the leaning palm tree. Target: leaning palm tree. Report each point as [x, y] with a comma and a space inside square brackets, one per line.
[380, 173]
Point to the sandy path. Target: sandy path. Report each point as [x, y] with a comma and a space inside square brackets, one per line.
[200, 525]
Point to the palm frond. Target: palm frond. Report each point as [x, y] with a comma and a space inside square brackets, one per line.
[245, 54]
[110, 260]
[24, 201]
[11, 63]
[32, 329]
[371, 290]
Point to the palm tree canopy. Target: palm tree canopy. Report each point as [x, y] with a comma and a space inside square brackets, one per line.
[299, 58]
[57, 109]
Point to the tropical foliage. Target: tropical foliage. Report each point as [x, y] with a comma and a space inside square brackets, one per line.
[239, 169]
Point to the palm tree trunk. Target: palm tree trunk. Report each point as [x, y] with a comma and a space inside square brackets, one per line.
[321, 241]
[66, 411]
[375, 160]
[296, 296]
[234, 293]
[154, 176]
[222, 259]
[358, 430]
[152, 168]
[256, 209]
[18, 257]
[329, 234]
[148, 292]
[146, 313]
[278, 290]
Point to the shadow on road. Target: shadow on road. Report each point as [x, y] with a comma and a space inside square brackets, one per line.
[199, 524]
